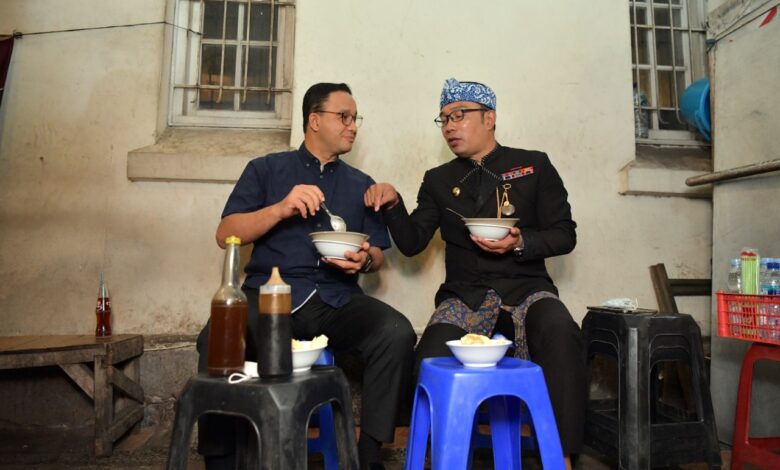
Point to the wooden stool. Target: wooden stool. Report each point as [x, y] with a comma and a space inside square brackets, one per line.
[115, 364]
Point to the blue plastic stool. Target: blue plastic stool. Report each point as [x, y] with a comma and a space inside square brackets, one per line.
[446, 401]
[484, 441]
[325, 443]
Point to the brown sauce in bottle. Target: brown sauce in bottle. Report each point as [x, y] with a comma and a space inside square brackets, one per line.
[227, 338]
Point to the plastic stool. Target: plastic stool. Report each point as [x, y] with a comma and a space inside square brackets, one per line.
[752, 450]
[278, 410]
[636, 428]
[325, 443]
[446, 401]
[484, 441]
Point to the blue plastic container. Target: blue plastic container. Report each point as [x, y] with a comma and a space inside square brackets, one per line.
[695, 107]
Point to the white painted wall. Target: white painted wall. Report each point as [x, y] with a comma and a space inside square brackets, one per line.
[746, 113]
[78, 102]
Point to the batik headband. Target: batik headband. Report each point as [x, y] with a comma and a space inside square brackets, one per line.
[467, 91]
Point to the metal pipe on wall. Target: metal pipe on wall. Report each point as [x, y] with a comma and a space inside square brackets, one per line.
[734, 173]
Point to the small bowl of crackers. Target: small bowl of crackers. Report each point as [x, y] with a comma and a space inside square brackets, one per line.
[479, 351]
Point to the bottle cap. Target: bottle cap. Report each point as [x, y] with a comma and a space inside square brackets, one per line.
[275, 284]
[232, 240]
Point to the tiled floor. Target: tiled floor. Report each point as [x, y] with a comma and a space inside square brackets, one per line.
[147, 449]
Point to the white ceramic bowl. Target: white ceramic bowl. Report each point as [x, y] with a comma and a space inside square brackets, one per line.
[491, 229]
[334, 244]
[302, 359]
[478, 355]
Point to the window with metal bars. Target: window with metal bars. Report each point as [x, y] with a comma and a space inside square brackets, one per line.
[668, 40]
[232, 63]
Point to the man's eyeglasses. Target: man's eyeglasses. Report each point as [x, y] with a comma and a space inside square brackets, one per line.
[346, 118]
[455, 116]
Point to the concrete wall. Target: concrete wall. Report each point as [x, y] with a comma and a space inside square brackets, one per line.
[78, 102]
[746, 112]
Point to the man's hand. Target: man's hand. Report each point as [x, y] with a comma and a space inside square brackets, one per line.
[354, 260]
[379, 195]
[304, 199]
[508, 243]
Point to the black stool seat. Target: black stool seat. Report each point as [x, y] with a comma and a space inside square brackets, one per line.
[278, 409]
[635, 428]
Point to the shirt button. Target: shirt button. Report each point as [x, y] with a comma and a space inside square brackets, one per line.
[319, 225]
[322, 176]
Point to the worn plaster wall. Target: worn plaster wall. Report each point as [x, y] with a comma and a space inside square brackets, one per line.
[746, 112]
[78, 102]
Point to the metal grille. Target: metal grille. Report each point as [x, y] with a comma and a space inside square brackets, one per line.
[241, 63]
[667, 49]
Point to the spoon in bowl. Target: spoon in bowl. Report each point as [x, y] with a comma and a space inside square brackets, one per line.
[462, 218]
[336, 222]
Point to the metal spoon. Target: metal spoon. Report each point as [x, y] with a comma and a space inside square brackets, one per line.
[508, 209]
[447, 208]
[336, 222]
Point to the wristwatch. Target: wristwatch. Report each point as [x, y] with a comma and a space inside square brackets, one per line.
[517, 251]
[367, 265]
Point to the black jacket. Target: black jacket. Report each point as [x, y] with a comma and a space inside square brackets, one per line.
[541, 204]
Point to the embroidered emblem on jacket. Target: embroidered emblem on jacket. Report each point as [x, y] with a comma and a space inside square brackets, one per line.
[517, 172]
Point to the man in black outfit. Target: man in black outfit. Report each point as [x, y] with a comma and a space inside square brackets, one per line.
[496, 286]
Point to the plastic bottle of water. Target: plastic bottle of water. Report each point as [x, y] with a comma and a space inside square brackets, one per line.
[763, 275]
[734, 281]
[773, 277]
[640, 114]
[734, 285]
[773, 269]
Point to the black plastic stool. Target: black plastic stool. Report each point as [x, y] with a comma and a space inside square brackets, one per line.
[279, 411]
[635, 428]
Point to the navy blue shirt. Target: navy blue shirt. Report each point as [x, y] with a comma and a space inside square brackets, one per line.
[266, 181]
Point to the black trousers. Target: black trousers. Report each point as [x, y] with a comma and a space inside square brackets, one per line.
[555, 344]
[379, 334]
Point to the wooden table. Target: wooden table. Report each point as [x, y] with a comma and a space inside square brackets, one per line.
[115, 364]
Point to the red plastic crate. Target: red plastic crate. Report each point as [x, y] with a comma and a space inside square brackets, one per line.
[749, 317]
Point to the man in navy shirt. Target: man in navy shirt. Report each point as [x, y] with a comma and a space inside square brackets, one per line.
[275, 205]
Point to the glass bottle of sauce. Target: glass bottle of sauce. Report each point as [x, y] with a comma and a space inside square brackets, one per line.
[274, 355]
[103, 311]
[227, 332]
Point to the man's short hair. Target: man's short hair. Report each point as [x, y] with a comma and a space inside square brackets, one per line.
[318, 94]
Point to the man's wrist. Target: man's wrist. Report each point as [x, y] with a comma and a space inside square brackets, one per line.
[367, 265]
[518, 250]
[390, 210]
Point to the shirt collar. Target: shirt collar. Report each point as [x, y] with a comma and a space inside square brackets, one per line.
[309, 159]
[489, 158]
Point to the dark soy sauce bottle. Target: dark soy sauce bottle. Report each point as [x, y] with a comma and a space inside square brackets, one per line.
[274, 355]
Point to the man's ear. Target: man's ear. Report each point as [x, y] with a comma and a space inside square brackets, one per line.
[314, 121]
[490, 119]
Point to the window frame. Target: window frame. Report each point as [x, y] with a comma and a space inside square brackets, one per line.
[694, 64]
[185, 69]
